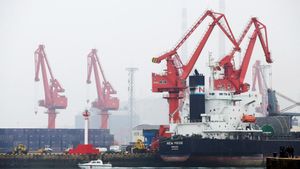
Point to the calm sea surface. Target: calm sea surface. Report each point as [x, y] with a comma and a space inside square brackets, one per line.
[188, 167]
[169, 168]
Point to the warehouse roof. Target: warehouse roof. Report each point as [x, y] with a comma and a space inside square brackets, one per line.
[146, 127]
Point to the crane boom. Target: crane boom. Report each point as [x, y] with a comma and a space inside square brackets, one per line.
[105, 101]
[294, 102]
[53, 100]
[92, 64]
[212, 14]
[264, 41]
[234, 78]
[174, 80]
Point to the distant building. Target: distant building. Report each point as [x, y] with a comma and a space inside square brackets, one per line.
[144, 132]
[119, 123]
[150, 111]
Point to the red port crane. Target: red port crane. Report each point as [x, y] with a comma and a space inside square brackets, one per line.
[173, 80]
[105, 101]
[233, 79]
[52, 89]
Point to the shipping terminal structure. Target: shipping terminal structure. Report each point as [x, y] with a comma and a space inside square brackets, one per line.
[214, 122]
[60, 139]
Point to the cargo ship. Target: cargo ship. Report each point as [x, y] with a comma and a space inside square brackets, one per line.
[220, 126]
[222, 129]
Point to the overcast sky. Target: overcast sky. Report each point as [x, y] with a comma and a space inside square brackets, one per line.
[127, 33]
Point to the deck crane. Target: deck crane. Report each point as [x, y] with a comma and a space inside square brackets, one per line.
[233, 79]
[291, 106]
[105, 101]
[53, 99]
[173, 80]
[259, 78]
[269, 106]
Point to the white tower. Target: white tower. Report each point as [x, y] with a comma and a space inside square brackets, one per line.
[86, 115]
[131, 71]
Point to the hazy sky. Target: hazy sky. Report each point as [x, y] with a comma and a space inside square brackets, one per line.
[126, 33]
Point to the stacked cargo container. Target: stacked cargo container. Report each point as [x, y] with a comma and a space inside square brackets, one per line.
[57, 139]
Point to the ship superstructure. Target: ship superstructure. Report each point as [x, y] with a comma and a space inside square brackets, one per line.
[218, 114]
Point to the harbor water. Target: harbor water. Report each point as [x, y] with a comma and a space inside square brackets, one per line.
[163, 168]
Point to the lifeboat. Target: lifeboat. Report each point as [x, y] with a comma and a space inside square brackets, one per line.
[248, 118]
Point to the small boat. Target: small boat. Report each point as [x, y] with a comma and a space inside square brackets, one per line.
[94, 164]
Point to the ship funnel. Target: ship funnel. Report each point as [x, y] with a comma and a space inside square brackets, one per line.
[197, 96]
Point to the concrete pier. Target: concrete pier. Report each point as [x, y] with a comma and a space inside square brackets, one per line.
[43, 161]
[283, 163]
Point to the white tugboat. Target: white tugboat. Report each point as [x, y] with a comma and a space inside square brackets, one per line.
[94, 164]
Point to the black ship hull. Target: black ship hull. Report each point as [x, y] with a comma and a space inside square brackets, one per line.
[196, 151]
